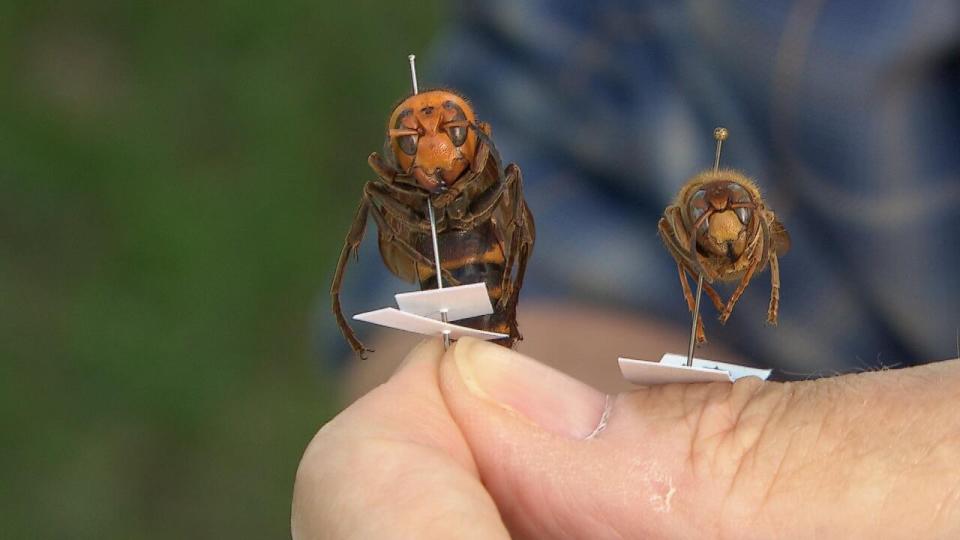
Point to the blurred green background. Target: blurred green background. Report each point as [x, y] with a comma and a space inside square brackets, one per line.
[176, 181]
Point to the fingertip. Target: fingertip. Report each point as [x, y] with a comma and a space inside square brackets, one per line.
[427, 351]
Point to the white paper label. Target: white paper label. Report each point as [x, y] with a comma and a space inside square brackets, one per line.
[672, 368]
[461, 302]
[409, 322]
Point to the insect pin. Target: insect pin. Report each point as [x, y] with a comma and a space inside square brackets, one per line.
[446, 213]
[719, 229]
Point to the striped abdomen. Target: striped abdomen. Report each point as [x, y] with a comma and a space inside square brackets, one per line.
[471, 256]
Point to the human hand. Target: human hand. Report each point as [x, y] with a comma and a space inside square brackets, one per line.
[482, 442]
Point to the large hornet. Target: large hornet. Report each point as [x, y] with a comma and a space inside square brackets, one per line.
[436, 150]
[720, 228]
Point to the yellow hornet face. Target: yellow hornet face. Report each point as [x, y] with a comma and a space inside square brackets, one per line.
[720, 210]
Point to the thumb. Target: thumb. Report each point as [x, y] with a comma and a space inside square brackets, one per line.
[563, 460]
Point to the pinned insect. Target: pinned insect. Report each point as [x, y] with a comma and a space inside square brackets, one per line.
[719, 229]
[440, 158]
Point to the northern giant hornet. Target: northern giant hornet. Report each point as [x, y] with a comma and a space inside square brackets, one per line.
[437, 151]
[720, 228]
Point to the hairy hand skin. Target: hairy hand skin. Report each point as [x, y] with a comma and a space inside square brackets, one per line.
[866, 455]
[428, 454]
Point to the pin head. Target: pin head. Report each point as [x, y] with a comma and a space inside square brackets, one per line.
[721, 134]
[412, 58]
[432, 138]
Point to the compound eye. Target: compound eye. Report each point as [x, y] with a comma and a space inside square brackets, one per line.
[407, 143]
[458, 134]
[697, 205]
[737, 193]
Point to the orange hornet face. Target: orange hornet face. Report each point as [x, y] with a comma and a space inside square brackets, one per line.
[431, 138]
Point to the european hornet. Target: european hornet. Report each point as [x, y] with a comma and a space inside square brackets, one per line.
[720, 228]
[436, 150]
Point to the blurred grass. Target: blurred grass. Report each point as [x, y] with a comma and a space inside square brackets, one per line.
[175, 181]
